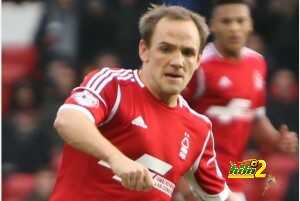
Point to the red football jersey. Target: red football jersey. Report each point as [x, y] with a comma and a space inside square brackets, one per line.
[168, 141]
[231, 94]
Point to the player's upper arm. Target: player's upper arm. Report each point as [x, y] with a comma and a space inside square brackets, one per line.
[212, 185]
[97, 97]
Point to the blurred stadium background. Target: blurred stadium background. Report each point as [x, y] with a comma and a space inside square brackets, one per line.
[48, 46]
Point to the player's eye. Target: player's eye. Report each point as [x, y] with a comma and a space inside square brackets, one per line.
[188, 52]
[240, 20]
[226, 21]
[165, 49]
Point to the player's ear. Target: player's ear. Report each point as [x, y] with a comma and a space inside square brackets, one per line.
[143, 51]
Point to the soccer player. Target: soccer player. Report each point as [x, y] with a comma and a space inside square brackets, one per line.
[129, 134]
[229, 87]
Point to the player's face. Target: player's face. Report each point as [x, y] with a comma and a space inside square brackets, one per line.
[231, 25]
[172, 56]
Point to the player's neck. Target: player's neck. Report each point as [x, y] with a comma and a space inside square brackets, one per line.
[231, 55]
[169, 100]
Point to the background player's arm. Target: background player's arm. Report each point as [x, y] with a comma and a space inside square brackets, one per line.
[266, 135]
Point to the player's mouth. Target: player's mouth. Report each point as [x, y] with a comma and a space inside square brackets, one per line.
[235, 39]
[174, 76]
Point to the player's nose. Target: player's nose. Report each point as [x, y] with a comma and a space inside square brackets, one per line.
[177, 60]
[234, 26]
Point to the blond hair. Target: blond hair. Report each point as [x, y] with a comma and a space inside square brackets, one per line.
[155, 13]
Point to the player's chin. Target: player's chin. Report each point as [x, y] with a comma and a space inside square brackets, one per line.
[235, 47]
[173, 90]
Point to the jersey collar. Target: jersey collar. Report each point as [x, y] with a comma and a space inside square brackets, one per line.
[137, 78]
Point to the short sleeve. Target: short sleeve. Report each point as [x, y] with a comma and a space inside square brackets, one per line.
[260, 82]
[97, 97]
[212, 185]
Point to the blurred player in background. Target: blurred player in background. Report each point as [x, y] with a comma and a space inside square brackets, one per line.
[229, 87]
[129, 134]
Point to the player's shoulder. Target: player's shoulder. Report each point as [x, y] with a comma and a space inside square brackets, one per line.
[209, 54]
[196, 117]
[101, 77]
[252, 54]
[109, 73]
[256, 59]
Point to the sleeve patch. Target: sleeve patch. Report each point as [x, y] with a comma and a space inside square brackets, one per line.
[85, 98]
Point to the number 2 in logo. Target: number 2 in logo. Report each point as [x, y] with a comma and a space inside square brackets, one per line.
[258, 173]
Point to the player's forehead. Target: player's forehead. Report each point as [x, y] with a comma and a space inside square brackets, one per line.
[176, 32]
[231, 11]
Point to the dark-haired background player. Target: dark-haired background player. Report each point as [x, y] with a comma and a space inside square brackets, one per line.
[229, 87]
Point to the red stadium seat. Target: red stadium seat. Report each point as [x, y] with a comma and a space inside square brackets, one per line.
[17, 63]
[17, 187]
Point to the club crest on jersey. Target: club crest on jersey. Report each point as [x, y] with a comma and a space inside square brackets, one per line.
[85, 98]
[184, 148]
